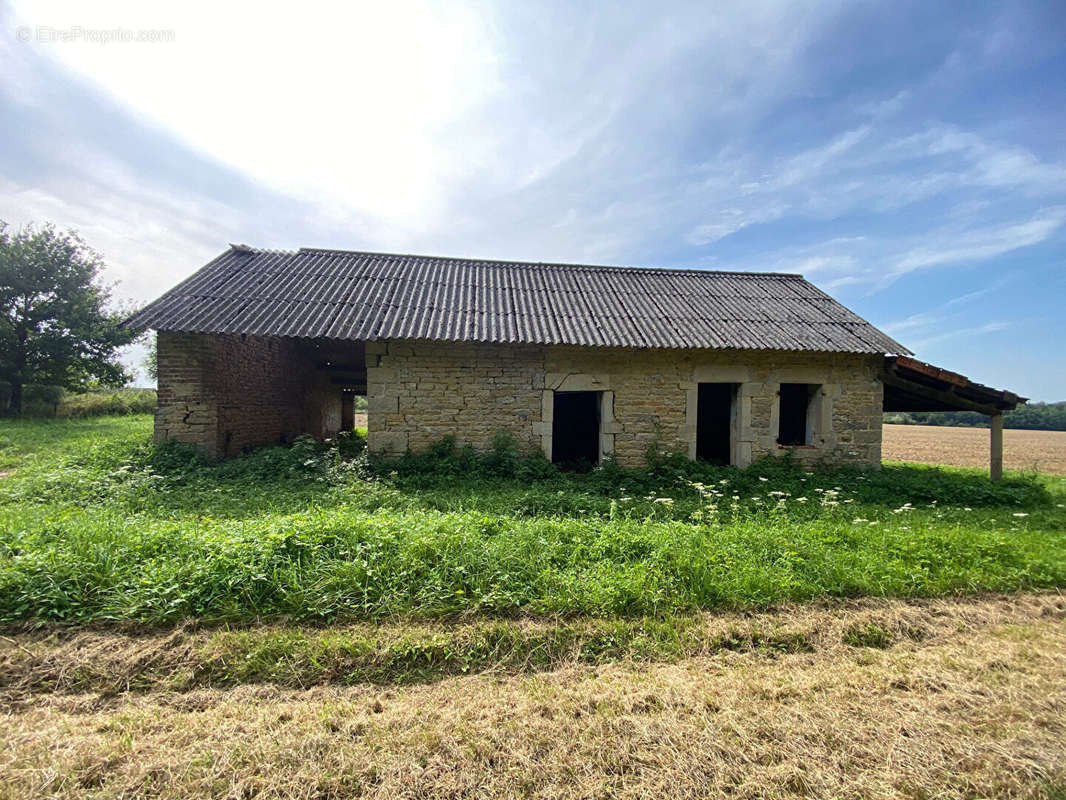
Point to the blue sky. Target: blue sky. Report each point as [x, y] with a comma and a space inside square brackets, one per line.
[909, 158]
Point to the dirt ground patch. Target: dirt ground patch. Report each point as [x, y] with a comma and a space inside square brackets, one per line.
[1040, 451]
[973, 703]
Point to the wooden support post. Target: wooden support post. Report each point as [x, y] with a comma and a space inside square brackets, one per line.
[995, 470]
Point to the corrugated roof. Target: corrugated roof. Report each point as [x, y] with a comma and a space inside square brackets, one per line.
[343, 294]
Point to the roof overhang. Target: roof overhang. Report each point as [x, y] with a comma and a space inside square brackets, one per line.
[913, 385]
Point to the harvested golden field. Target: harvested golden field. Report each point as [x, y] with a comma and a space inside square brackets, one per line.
[891, 699]
[1040, 451]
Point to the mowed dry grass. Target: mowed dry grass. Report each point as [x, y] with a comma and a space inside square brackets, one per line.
[1040, 451]
[970, 701]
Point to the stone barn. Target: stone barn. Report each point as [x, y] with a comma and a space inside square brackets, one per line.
[581, 362]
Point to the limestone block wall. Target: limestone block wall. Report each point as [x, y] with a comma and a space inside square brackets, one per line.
[419, 392]
[230, 393]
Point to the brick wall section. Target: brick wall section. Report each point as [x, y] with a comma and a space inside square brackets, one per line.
[231, 393]
[421, 391]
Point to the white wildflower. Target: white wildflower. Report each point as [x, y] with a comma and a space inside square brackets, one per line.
[1020, 514]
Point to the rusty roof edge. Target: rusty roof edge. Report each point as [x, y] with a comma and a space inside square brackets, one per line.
[954, 378]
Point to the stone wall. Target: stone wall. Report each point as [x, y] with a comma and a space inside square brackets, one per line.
[231, 393]
[467, 390]
[419, 392]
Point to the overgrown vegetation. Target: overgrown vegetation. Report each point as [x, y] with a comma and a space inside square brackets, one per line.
[53, 401]
[98, 525]
[1032, 416]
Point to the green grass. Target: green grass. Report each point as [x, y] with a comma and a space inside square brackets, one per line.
[97, 525]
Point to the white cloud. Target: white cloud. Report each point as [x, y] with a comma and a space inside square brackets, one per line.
[946, 317]
[960, 333]
[147, 240]
[418, 115]
[873, 263]
[335, 103]
[981, 187]
[730, 220]
[478, 129]
[881, 109]
[811, 164]
[978, 244]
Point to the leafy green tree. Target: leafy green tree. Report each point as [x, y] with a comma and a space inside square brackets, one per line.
[151, 358]
[55, 324]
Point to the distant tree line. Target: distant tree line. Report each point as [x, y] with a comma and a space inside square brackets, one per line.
[1033, 417]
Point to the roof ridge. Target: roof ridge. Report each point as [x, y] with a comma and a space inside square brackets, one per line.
[542, 264]
[247, 248]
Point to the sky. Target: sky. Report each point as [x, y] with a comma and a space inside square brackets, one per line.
[909, 158]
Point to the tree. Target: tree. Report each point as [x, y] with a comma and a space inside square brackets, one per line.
[55, 324]
[151, 358]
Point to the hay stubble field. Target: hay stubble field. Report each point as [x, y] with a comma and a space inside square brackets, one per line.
[1025, 451]
[959, 698]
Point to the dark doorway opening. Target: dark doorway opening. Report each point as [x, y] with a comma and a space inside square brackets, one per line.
[347, 411]
[714, 422]
[792, 429]
[576, 430]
